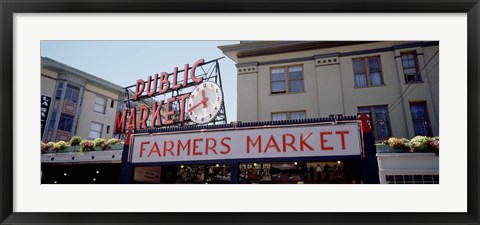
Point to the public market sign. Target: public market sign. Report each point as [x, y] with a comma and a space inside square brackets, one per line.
[272, 142]
[202, 105]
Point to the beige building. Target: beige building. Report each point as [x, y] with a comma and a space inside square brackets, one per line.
[81, 104]
[397, 82]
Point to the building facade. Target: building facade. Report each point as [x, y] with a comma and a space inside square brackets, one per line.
[81, 104]
[397, 82]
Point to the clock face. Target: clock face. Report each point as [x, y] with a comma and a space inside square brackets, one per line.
[205, 102]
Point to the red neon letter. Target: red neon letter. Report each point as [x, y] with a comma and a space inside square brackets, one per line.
[139, 89]
[182, 106]
[164, 83]
[120, 123]
[149, 84]
[156, 114]
[272, 143]
[323, 141]
[185, 75]
[169, 112]
[175, 74]
[183, 147]
[192, 72]
[132, 119]
[142, 120]
[342, 136]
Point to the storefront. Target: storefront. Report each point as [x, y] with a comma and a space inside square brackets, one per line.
[273, 152]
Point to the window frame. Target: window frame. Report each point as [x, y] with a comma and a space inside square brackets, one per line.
[90, 130]
[373, 117]
[104, 106]
[60, 119]
[73, 88]
[417, 68]
[427, 117]
[286, 79]
[366, 64]
[288, 114]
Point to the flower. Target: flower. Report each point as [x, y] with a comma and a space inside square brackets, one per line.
[59, 146]
[419, 143]
[100, 142]
[113, 141]
[43, 148]
[86, 145]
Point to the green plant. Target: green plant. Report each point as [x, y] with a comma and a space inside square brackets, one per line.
[419, 143]
[75, 140]
[86, 145]
[99, 142]
[59, 146]
[49, 146]
[113, 141]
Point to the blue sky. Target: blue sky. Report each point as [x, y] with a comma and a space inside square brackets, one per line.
[123, 62]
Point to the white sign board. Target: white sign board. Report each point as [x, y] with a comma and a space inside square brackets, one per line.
[271, 142]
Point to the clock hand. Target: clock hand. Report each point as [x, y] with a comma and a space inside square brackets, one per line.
[203, 93]
[195, 106]
[204, 101]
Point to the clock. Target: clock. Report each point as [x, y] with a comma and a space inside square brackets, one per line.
[205, 102]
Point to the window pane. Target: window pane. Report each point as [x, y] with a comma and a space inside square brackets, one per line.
[375, 78]
[374, 64]
[95, 130]
[295, 86]
[382, 122]
[364, 109]
[96, 127]
[419, 118]
[99, 108]
[51, 124]
[360, 80]
[71, 93]
[295, 69]
[408, 71]
[358, 66]
[295, 75]
[297, 115]
[101, 101]
[278, 87]
[279, 116]
[93, 135]
[65, 122]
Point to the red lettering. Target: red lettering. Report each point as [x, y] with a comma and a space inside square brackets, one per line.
[168, 149]
[149, 84]
[169, 112]
[195, 146]
[157, 150]
[192, 72]
[257, 141]
[142, 148]
[156, 119]
[303, 142]
[272, 143]
[342, 136]
[139, 87]
[142, 120]
[185, 75]
[175, 74]
[183, 147]
[164, 83]
[290, 144]
[226, 145]
[182, 106]
[120, 122]
[323, 141]
[211, 147]
[132, 119]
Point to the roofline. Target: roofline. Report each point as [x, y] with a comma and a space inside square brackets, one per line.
[63, 67]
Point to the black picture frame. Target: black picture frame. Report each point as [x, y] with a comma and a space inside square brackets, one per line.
[9, 7]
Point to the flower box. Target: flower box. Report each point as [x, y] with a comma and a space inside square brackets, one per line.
[117, 146]
[98, 148]
[381, 148]
[71, 149]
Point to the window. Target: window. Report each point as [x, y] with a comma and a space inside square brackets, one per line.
[367, 71]
[420, 118]
[95, 130]
[51, 124]
[380, 120]
[71, 93]
[288, 79]
[410, 68]
[108, 129]
[111, 103]
[288, 115]
[65, 123]
[100, 105]
[58, 94]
